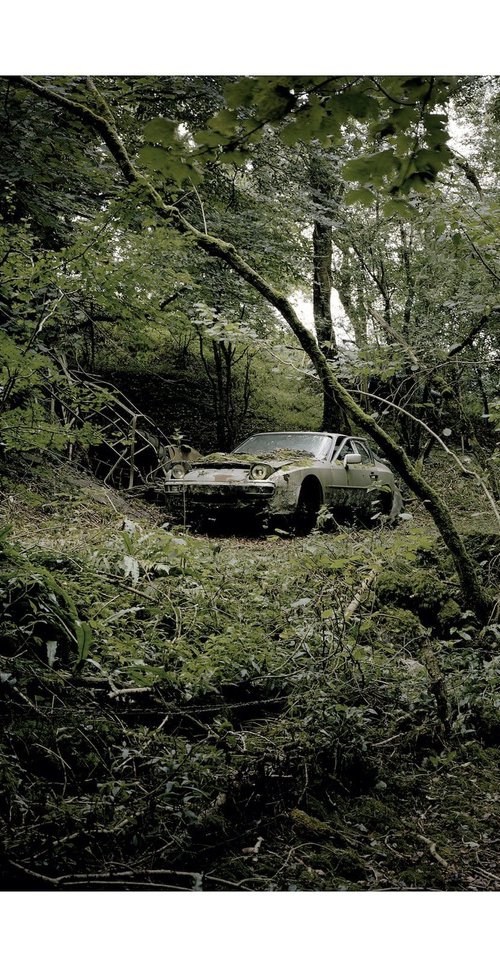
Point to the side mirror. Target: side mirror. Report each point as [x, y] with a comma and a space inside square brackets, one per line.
[352, 459]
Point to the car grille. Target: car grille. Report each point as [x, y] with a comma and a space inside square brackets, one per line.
[217, 494]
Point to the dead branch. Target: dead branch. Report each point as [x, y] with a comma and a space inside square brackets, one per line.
[394, 334]
[433, 850]
[358, 597]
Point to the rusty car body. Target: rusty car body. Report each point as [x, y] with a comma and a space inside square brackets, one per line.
[285, 477]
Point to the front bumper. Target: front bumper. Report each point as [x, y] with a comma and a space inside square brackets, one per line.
[186, 497]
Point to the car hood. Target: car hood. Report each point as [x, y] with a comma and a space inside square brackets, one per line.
[236, 464]
[238, 467]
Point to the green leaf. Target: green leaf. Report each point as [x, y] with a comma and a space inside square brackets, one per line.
[273, 97]
[154, 158]
[239, 158]
[162, 131]
[359, 196]
[83, 638]
[356, 104]
[211, 139]
[430, 161]
[416, 84]
[290, 134]
[331, 126]
[399, 207]
[241, 93]
[435, 125]
[181, 170]
[169, 164]
[225, 122]
[371, 168]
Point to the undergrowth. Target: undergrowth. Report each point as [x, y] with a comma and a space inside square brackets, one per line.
[200, 713]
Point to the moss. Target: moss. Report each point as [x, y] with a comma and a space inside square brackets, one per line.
[392, 623]
[341, 866]
[486, 719]
[346, 862]
[421, 592]
[449, 614]
[421, 878]
[311, 826]
[375, 814]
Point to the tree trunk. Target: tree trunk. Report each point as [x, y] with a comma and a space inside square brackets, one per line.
[322, 288]
[334, 417]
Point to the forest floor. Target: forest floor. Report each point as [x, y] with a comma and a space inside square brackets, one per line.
[191, 712]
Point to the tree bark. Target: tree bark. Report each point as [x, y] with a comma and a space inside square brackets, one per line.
[322, 288]
[334, 417]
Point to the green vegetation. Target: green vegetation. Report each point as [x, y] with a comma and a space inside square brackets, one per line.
[184, 711]
[215, 713]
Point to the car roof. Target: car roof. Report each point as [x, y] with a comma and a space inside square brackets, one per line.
[295, 432]
[307, 432]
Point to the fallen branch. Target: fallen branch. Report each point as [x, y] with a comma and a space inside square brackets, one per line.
[105, 875]
[358, 597]
[433, 850]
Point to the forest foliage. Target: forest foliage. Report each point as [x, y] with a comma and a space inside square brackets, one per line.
[242, 254]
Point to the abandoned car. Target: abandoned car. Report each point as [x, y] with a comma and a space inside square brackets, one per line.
[288, 477]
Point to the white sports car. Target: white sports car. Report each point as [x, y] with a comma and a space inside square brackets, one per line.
[285, 476]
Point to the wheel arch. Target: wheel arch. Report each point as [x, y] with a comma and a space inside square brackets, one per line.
[311, 484]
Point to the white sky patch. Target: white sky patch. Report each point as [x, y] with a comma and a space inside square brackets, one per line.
[460, 134]
[344, 332]
[303, 307]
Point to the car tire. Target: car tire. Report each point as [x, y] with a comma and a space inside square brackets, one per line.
[391, 505]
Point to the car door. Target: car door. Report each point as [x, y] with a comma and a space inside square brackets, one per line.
[364, 476]
[382, 487]
[359, 476]
[341, 489]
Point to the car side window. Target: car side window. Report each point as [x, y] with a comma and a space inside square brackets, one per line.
[345, 448]
[366, 456]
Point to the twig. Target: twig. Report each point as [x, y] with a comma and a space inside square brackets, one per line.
[433, 850]
[116, 692]
[105, 875]
[366, 584]
[201, 206]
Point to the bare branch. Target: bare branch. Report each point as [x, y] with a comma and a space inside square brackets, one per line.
[475, 330]
[395, 335]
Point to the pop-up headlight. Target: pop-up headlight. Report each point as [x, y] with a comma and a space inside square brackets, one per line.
[260, 471]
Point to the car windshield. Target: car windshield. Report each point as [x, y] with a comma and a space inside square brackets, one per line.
[302, 443]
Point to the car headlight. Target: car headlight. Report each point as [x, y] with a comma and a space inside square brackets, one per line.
[260, 471]
[178, 472]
